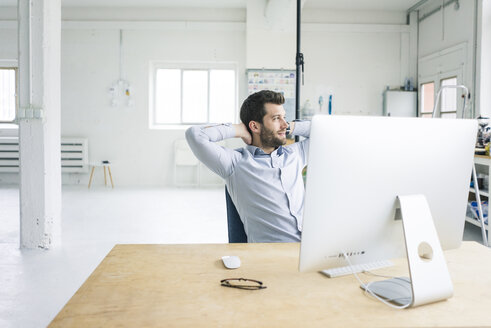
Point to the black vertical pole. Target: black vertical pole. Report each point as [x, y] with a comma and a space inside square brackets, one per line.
[298, 62]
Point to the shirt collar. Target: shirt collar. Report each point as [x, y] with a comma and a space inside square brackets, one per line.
[258, 151]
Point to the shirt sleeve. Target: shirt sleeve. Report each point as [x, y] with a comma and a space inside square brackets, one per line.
[302, 129]
[202, 140]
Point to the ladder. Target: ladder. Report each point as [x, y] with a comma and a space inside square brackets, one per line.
[474, 174]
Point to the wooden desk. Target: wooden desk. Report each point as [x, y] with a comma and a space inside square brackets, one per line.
[179, 285]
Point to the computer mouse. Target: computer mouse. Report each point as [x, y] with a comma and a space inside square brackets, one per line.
[231, 262]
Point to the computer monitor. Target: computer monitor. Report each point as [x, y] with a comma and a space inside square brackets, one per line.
[357, 168]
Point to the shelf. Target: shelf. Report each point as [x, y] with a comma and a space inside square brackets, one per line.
[481, 192]
[475, 222]
[485, 161]
[481, 159]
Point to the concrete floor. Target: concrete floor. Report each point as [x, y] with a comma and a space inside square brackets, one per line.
[36, 284]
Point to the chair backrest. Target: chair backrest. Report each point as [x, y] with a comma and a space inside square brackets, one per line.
[236, 233]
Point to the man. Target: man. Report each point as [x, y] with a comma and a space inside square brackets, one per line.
[264, 179]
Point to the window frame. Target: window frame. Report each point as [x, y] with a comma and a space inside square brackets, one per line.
[8, 64]
[420, 95]
[457, 97]
[186, 66]
[437, 80]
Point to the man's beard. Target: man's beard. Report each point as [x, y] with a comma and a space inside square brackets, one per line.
[268, 138]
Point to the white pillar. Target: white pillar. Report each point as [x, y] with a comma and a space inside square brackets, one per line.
[39, 122]
[484, 59]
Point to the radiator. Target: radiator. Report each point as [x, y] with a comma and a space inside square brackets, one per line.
[74, 155]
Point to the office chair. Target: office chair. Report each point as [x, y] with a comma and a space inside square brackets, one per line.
[236, 233]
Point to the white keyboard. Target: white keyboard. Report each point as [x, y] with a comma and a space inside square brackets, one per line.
[357, 268]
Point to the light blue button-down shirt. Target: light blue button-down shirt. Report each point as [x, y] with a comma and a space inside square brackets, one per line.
[267, 189]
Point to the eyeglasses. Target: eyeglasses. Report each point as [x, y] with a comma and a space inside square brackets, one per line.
[249, 284]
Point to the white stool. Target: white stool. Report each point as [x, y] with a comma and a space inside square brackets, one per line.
[104, 164]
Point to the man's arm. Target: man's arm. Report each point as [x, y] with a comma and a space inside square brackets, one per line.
[242, 132]
[202, 140]
[302, 129]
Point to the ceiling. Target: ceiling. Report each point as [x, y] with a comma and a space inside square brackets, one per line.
[378, 5]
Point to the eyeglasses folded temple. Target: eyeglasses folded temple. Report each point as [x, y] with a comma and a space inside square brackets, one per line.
[250, 284]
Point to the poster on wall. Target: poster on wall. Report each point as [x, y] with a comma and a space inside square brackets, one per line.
[276, 80]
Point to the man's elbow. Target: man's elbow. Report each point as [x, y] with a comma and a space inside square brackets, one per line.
[191, 133]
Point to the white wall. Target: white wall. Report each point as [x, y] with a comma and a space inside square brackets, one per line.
[153, 14]
[354, 63]
[139, 156]
[8, 43]
[484, 55]
[271, 34]
[446, 43]
[346, 53]
[355, 58]
[337, 16]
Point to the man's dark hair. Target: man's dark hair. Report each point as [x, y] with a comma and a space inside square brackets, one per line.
[253, 107]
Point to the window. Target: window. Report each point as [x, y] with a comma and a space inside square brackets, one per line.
[427, 99]
[7, 94]
[449, 98]
[196, 94]
[450, 101]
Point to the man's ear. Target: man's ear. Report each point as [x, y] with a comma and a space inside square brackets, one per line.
[255, 126]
